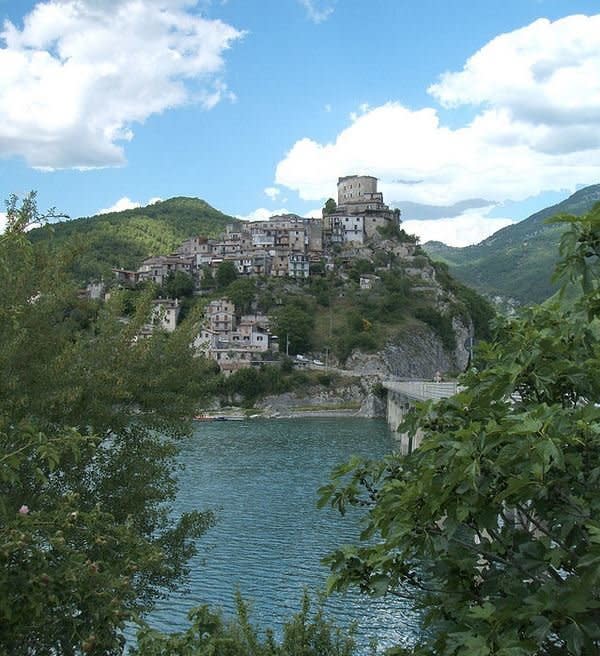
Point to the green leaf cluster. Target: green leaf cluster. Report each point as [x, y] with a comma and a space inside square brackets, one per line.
[90, 415]
[492, 526]
[306, 633]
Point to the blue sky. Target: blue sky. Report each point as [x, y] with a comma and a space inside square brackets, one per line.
[257, 106]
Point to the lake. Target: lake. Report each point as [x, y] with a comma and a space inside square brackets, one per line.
[261, 477]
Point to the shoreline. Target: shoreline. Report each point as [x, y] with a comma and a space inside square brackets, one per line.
[236, 415]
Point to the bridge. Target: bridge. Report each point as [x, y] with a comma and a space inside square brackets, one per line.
[402, 394]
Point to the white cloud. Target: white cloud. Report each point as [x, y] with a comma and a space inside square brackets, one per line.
[2, 222]
[317, 10]
[125, 203]
[328, 108]
[538, 127]
[317, 213]
[272, 192]
[262, 214]
[470, 227]
[122, 204]
[544, 73]
[80, 73]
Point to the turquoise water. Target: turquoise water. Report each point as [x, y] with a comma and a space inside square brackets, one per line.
[261, 476]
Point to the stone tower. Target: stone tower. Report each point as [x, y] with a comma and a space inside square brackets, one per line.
[356, 188]
[360, 211]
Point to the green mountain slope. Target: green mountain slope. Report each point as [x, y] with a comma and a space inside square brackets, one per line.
[124, 239]
[517, 261]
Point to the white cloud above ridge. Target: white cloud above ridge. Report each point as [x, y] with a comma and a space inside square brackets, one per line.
[125, 203]
[468, 228]
[263, 214]
[2, 222]
[80, 73]
[538, 127]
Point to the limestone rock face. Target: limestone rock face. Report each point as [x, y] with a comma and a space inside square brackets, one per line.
[418, 354]
[356, 396]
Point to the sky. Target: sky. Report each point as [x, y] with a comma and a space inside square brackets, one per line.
[473, 114]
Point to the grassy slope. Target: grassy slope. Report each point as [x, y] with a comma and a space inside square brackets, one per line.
[124, 239]
[518, 260]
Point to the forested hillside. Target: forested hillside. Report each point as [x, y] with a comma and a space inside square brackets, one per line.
[124, 239]
[517, 261]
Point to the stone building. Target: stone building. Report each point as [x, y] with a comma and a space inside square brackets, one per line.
[158, 268]
[359, 213]
[233, 344]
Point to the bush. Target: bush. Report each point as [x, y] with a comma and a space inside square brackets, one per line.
[304, 634]
[440, 324]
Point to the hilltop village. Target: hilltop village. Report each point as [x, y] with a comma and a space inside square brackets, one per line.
[287, 246]
[283, 246]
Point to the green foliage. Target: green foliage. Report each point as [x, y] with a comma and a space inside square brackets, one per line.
[242, 293]
[317, 268]
[325, 379]
[322, 289]
[225, 274]
[440, 323]
[471, 304]
[207, 280]
[355, 334]
[379, 391]
[305, 634]
[257, 382]
[391, 230]
[89, 418]
[293, 322]
[359, 267]
[124, 239]
[178, 285]
[330, 206]
[492, 525]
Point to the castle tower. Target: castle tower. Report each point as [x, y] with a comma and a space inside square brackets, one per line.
[360, 211]
[354, 188]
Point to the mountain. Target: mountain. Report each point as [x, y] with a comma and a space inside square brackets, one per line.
[518, 261]
[124, 239]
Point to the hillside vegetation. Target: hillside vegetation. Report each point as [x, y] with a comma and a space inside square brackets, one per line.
[331, 317]
[517, 261]
[125, 239]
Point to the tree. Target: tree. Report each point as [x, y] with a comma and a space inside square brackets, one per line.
[178, 285]
[294, 323]
[241, 293]
[492, 526]
[226, 273]
[89, 420]
[330, 206]
[304, 634]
